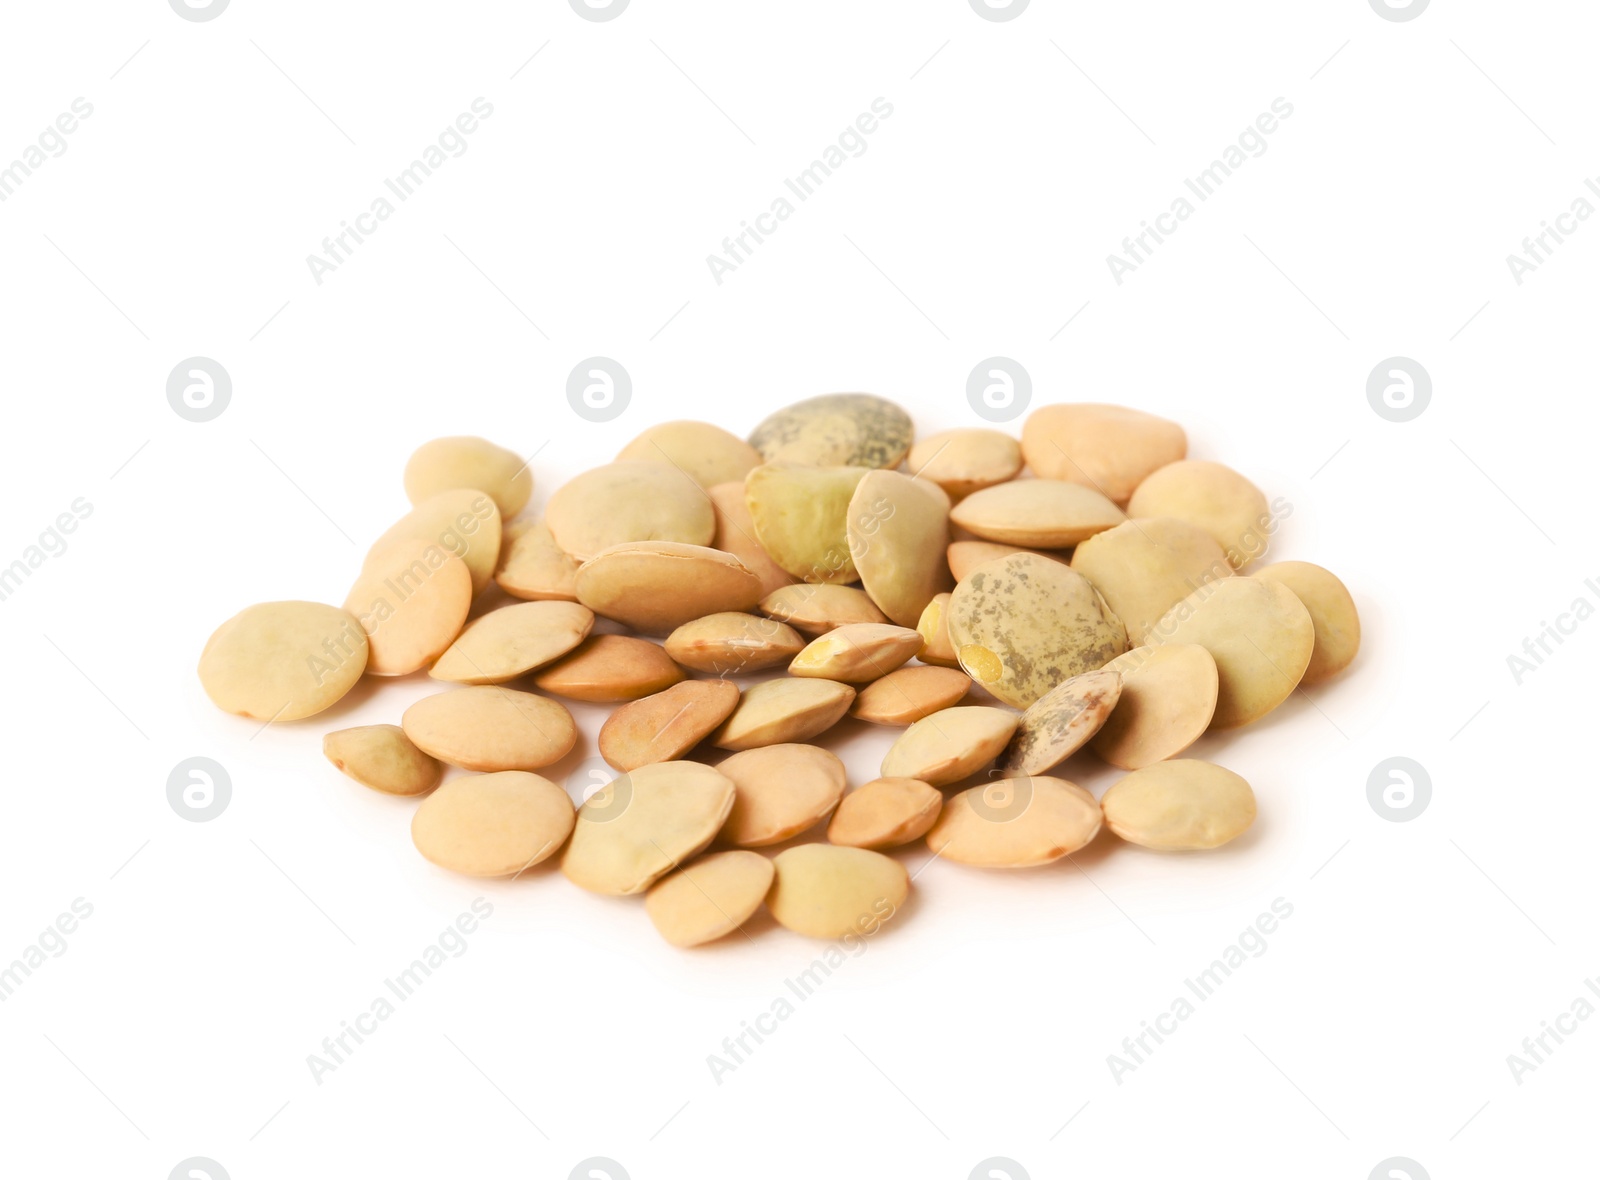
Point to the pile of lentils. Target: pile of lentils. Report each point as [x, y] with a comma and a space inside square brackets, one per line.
[1098, 601]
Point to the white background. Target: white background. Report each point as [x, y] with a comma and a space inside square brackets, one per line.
[1419, 955]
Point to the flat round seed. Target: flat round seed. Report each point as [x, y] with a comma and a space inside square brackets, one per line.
[731, 644]
[1050, 513]
[712, 897]
[836, 429]
[1180, 806]
[816, 610]
[800, 516]
[1168, 697]
[885, 813]
[857, 652]
[1334, 622]
[781, 791]
[656, 586]
[1216, 498]
[934, 627]
[736, 534]
[707, 454]
[622, 502]
[492, 825]
[965, 461]
[667, 725]
[281, 661]
[1258, 633]
[383, 758]
[412, 599]
[533, 566]
[489, 728]
[463, 521]
[945, 747]
[1016, 823]
[897, 528]
[910, 694]
[965, 556]
[1143, 567]
[505, 643]
[1109, 448]
[1023, 624]
[607, 668]
[465, 462]
[1058, 724]
[825, 891]
[788, 709]
[644, 824]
